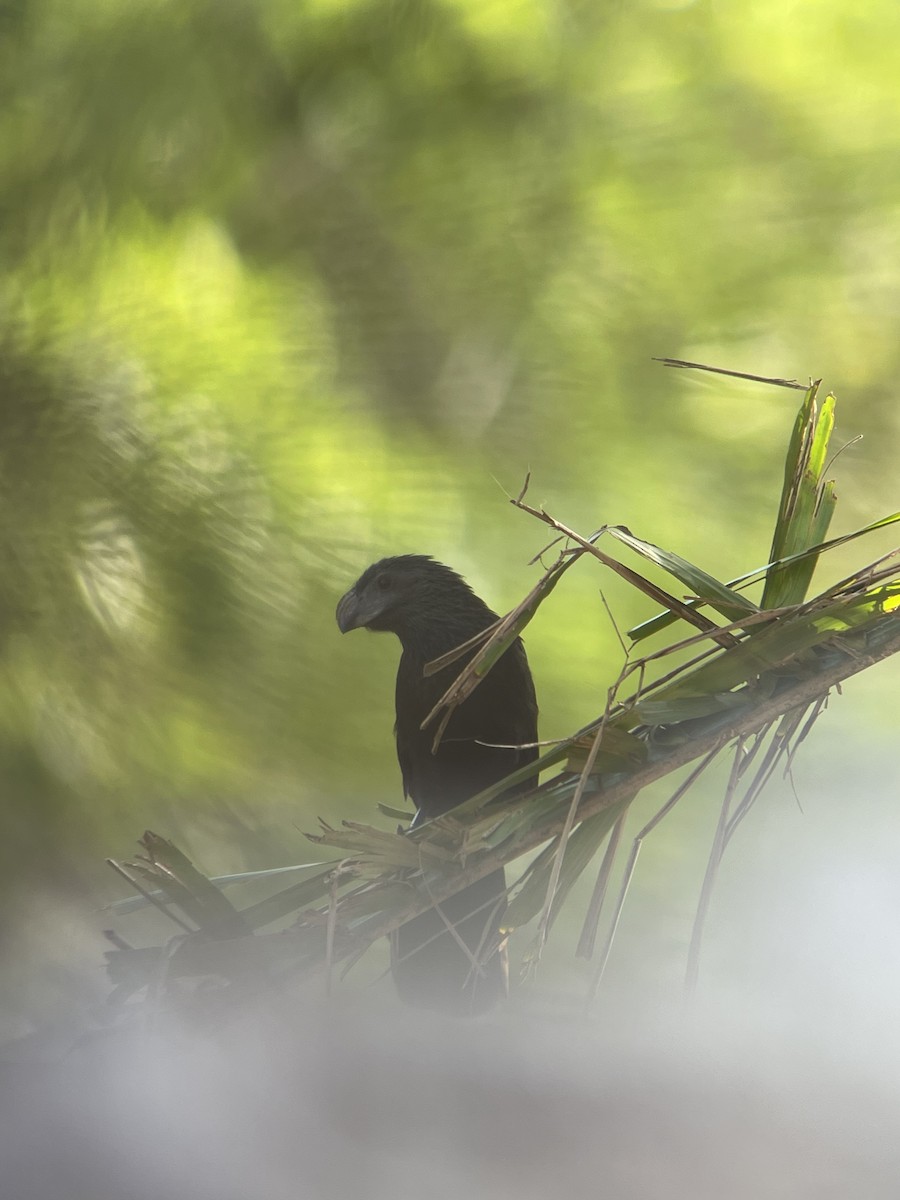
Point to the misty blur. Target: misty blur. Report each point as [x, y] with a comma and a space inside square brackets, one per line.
[287, 287]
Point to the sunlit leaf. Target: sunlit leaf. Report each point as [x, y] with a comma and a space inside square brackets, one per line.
[662, 620]
[732, 605]
[807, 502]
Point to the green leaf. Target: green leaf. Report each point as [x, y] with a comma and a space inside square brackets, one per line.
[664, 619]
[807, 502]
[769, 649]
[732, 605]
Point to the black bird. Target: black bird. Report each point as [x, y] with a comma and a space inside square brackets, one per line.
[432, 610]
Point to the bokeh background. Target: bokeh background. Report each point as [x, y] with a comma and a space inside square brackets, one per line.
[290, 286]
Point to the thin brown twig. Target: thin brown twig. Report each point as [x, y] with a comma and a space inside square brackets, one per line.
[468, 679]
[626, 649]
[657, 594]
[565, 833]
[684, 364]
[775, 751]
[474, 965]
[631, 866]
[692, 972]
[587, 939]
[329, 933]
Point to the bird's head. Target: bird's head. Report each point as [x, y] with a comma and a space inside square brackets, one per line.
[403, 593]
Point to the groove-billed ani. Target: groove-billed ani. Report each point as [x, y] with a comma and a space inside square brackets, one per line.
[432, 610]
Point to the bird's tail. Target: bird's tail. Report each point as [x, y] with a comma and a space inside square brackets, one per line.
[452, 958]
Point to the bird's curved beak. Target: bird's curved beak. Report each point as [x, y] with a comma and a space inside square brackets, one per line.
[348, 612]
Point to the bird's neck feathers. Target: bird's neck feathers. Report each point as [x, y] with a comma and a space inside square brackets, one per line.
[431, 632]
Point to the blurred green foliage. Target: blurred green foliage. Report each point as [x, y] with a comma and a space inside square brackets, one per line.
[289, 286]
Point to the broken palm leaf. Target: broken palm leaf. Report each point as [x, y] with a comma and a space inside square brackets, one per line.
[662, 620]
[580, 848]
[678, 607]
[396, 814]
[529, 771]
[491, 830]
[587, 938]
[369, 845]
[134, 903]
[374, 899]
[778, 748]
[771, 648]
[807, 502]
[732, 605]
[588, 935]
[173, 873]
[771, 673]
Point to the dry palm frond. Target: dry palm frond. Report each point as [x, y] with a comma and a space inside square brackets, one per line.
[757, 680]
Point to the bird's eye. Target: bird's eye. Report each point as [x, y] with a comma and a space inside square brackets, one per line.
[383, 582]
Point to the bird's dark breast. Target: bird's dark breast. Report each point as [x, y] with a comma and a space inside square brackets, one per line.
[480, 745]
